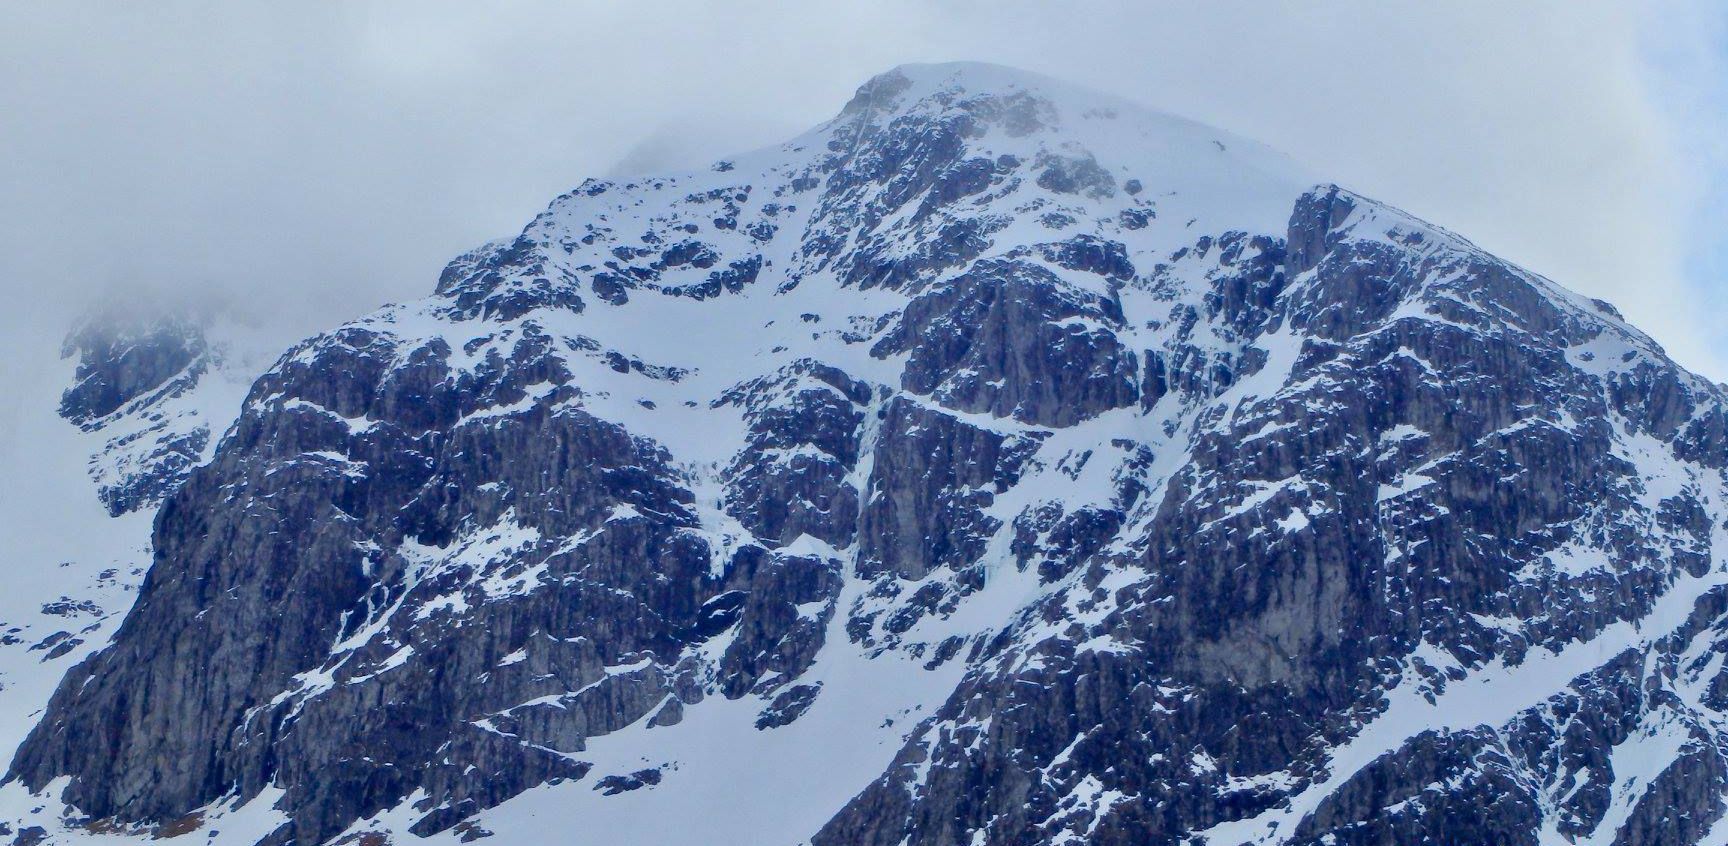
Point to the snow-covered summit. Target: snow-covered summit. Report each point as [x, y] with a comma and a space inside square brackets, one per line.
[1008, 148]
[1032, 102]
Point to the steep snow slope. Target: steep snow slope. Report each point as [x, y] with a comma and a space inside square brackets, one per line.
[996, 463]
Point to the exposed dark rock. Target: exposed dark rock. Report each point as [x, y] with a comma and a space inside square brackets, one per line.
[134, 370]
[1014, 340]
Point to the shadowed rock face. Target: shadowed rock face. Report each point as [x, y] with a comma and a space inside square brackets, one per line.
[1256, 514]
[118, 364]
[134, 381]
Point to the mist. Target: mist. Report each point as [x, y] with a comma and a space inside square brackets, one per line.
[309, 164]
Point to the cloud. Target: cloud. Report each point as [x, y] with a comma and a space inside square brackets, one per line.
[324, 160]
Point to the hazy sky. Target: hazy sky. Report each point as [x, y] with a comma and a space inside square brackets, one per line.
[322, 158]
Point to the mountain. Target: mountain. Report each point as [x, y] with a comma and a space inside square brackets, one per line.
[996, 463]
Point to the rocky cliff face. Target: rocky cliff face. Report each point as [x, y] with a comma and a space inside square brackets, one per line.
[996, 463]
[154, 387]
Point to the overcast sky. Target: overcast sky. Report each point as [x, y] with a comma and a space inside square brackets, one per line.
[323, 158]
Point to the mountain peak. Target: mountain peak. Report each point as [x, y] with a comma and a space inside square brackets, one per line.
[1026, 114]
[1043, 101]
[912, 82]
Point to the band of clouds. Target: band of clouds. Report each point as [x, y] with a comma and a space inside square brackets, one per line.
[321, 160]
